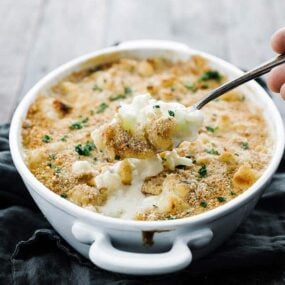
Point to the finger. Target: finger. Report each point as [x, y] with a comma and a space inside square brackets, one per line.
[276, 78]
[282, 91]
[278, 41]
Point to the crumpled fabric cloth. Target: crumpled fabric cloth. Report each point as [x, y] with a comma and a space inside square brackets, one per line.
[31, 252]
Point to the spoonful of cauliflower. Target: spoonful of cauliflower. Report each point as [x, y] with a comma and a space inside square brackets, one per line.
[146, 127]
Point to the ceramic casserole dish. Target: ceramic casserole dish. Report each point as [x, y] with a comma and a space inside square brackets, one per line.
[120, 245]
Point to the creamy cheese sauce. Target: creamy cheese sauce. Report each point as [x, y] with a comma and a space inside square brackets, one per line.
[125, 200]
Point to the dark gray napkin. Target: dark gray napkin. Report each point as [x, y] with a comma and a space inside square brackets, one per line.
[31, 252]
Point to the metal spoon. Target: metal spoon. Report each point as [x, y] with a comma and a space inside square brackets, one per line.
[249, 75]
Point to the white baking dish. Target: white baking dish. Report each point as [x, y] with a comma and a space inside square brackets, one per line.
[116, 244]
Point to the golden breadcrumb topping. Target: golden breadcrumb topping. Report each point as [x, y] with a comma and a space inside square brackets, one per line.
[231, 152]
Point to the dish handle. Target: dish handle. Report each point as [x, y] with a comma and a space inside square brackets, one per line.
[103, 254]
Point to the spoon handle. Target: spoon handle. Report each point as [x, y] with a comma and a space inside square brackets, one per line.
[249, 75]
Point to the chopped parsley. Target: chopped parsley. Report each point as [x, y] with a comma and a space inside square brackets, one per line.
[97, 88]
[76, 126]
[211, 75]
[204, 204]
[52, 156]
[117, 97]
[128, 90]
[155, 106]
[57, 170]
[171, 113]
[79, 124]
[244, 145]
[85, 149]
[233, 193]
[63, 138]
[221, 199]
[212, 151]
[191, 86]
[101, 108]
[63, 195]
[202, 171]
[117, 157]
[46, 138]
[211, 129]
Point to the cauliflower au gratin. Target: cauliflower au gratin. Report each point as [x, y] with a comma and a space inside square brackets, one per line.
[115, 168]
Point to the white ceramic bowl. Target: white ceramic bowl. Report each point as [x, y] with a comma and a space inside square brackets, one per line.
[116, 244]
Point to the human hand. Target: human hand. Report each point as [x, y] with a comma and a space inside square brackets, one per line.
[276, 77]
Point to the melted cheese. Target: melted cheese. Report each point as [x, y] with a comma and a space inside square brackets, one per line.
[125, 200]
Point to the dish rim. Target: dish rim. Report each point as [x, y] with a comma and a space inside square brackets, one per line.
[75, 210]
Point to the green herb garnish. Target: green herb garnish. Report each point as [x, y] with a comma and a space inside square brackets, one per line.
[46, 138]
[202, 171]
[63, 138]
[117, 97]
[211, 75]
[128, 90]
[204, 204]
[101, 108]
[244, 145]
[171, 113]
[221, 199]
[85, 149]
[76, 126]
[57, 170]
[117, 157]
[233, 193]
[212, 151]
[79, 124]
[52, 156]
[63, 195]
[97, 88]
[155, 106]
[191, 86]
[211, 129]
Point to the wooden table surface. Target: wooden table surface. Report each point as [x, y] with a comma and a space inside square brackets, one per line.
[36, 36]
